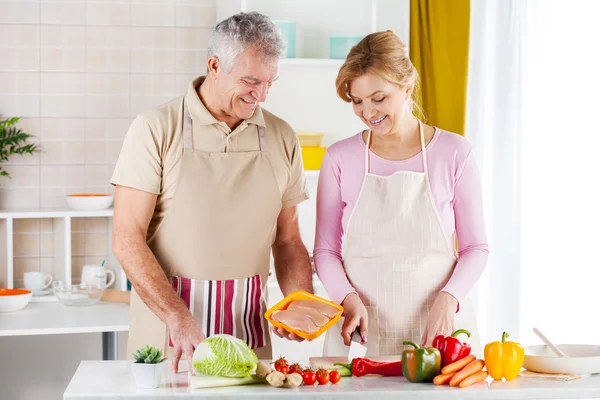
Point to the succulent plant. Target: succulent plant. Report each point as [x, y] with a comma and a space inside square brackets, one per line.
[148, 355]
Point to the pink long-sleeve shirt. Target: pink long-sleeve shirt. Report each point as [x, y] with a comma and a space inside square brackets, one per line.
[456, 189]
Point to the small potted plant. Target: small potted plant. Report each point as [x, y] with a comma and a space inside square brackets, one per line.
[148, 367]
[13, 141]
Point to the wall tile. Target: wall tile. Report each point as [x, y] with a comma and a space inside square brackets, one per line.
[64, 106]
[190, 15]
[27, 225]
[95, 244]
[71, 13]
[9, 35]
[95, 152]
[28, 83]
[26, 244]
[192, 38]
[154, 14]
[29, 59]
[96, 225]
[10, 59]
[53, 197]
[29, 175]
[19, 197]
[8, 83]
[47, 245]
[29, 36]
[77, 224]
[104, 13]
[25, 264]
[20, 12]
[63, 128]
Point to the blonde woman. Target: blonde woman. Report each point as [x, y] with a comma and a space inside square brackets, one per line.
[397, 195]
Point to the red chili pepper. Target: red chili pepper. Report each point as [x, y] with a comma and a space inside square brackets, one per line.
[451, 348]
[363, 366]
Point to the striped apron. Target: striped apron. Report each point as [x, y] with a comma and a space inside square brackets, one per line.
[214, 244]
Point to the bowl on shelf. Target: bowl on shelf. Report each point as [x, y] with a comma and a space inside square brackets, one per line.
[14, 299]
[77, 294]
[339, 46]
[89, 201]
[310, 139]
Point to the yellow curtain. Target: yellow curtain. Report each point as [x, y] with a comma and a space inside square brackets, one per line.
[439, 49]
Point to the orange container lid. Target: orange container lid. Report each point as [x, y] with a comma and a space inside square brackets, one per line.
[302, 295]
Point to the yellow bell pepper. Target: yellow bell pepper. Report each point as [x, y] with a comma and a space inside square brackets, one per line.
[504, 359]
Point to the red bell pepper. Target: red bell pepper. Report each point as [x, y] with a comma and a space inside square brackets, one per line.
[451, 348]
[363, 366]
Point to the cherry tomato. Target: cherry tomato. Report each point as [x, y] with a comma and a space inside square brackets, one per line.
[297, 368]
[280, 362]
[335, 376]
[323, 376]
[309, 377]
[284, 369]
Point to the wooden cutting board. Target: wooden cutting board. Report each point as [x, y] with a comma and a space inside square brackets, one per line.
[327, 362]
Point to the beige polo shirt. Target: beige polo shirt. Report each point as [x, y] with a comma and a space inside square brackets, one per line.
[151, 155]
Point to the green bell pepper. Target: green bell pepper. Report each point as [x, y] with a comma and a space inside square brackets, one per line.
[421, 364]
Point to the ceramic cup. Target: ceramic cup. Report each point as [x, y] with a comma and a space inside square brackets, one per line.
[36, 281]
[96, 275]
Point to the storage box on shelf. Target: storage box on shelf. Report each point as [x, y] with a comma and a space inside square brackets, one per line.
[62, 228]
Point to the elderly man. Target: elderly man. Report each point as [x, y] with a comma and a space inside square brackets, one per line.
[206, 185]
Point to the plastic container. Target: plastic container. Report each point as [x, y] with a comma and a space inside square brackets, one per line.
[288, 30]
[310, 139]
[302, 295]
[312, 157]
[339, 46]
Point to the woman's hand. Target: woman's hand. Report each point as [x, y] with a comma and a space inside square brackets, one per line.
[355, 315]
[441, 318]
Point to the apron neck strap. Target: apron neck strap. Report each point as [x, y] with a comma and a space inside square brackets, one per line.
[422, 137]
[187, 127]
[187, 131]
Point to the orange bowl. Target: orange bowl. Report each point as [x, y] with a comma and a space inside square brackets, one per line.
[14, 299]
[89, 201]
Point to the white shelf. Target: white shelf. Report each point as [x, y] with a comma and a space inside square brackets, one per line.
[311, 173]
[56, 318]
[52, 213]
[317, 62]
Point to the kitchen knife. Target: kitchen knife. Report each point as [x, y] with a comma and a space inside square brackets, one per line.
[357, 350]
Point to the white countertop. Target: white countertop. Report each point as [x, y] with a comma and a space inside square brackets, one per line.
[114, 379]
[53, 318]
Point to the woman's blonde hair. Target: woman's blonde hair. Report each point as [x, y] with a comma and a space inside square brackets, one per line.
[383, 54]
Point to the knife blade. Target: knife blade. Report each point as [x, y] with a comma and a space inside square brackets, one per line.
[357, 350]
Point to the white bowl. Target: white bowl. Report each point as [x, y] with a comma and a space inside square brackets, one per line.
[581, 359]
[89, 202]
[14, 299]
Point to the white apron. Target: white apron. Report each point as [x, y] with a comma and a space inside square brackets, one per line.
[398, 258]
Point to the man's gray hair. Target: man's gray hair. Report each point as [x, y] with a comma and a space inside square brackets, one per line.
[238, 32]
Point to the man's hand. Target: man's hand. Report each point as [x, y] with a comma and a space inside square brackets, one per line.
[186, 335]
[441, 318]
[282, 333]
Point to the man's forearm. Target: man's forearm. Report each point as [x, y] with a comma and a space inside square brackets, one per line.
[148, 279]
[292, 266]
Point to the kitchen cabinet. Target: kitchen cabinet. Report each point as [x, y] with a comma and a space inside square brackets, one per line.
[114, 379]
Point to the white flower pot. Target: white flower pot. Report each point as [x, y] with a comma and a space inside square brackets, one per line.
[148, 376]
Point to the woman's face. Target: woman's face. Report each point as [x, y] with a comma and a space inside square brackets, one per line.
[379, 103]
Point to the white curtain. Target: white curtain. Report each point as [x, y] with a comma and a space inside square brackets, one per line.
[532, 102]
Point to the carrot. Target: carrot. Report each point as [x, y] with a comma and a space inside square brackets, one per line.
[475, 378]
[472, 368]
[457, 365]
[442, 379]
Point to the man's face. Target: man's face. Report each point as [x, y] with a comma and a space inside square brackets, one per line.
[247, 84]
